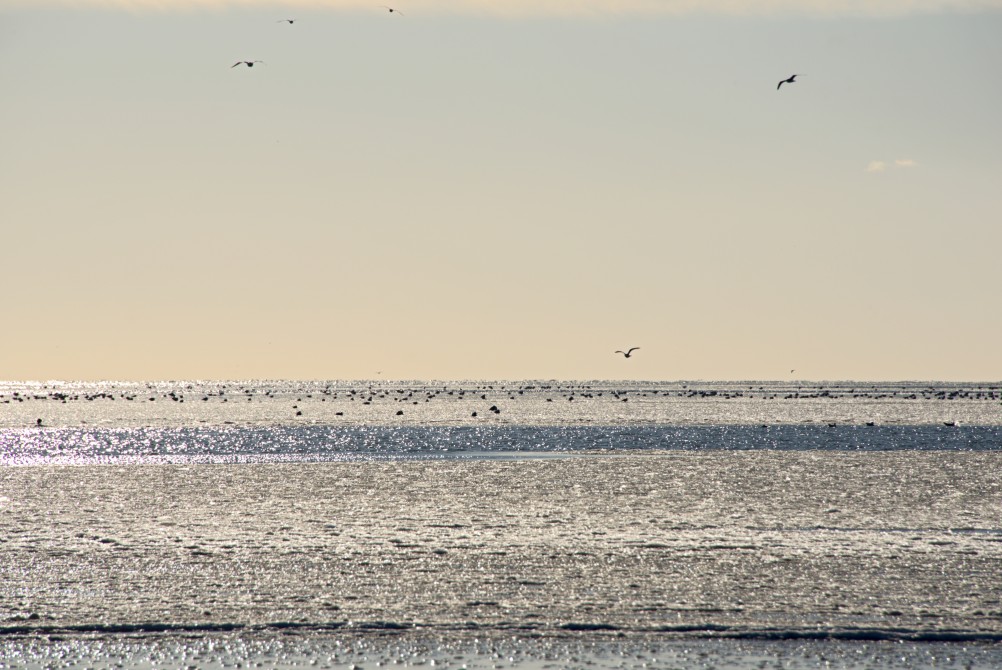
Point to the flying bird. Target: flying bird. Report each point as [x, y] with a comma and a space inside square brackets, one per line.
[628, 352]
[248, 63]
[391, 10]
[289, 21]
[791, 80]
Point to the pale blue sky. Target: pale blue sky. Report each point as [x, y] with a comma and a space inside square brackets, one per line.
[459, 194]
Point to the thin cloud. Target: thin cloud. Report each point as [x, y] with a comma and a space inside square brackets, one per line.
[881, 166]
[531, 8]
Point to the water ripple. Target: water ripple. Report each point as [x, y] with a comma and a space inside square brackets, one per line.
[317, 443]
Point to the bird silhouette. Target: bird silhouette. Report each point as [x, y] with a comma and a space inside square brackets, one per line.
[289, 21]
[248, 63]
[791, 80]
[628, 352]
[391, 10]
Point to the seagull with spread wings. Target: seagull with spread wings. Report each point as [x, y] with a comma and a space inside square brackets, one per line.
[628, 352]
[791, 80]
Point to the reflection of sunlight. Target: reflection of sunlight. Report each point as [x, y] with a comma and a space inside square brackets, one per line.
[528, 8]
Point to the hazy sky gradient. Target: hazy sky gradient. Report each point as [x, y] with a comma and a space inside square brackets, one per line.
[456, 194]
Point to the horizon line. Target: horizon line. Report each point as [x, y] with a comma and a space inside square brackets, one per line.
[316, 380]
[556, 8]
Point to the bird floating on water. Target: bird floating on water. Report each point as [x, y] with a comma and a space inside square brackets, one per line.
[248, 63]
[791, 80]
[628, 352]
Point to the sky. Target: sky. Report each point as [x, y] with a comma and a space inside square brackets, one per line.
[475, 189]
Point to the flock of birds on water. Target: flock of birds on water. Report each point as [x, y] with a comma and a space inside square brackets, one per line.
[409, 394]
[393, 10]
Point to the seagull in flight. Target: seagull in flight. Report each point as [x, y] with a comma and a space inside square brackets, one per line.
[391, 10]
[791, 80]
[628, 352]
[289, 21]
[248, 63]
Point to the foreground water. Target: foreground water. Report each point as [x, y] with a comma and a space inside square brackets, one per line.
[588, 524]
[288, 652]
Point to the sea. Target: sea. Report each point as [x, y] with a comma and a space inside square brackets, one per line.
[497, 524]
